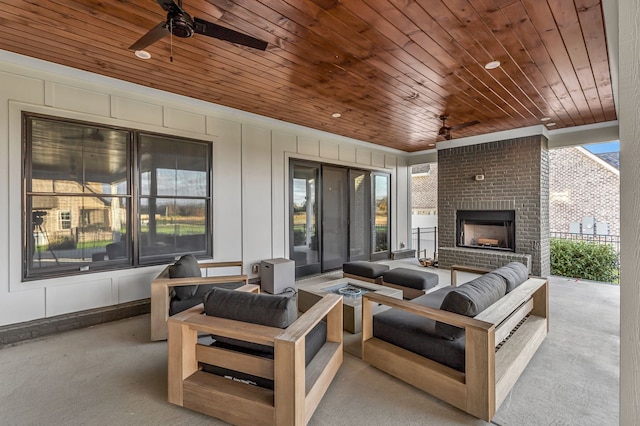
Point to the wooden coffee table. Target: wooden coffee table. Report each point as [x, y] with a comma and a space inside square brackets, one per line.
[308, 295]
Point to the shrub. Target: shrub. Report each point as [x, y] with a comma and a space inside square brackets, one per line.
[582, 259]
[63, 243]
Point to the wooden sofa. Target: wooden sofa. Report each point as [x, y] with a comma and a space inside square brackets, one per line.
[498, 343]
[297, 389]
[161, 289]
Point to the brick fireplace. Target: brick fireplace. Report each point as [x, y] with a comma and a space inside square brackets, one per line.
[507, 175]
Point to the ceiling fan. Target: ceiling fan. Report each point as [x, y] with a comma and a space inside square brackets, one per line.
[181, 24]
[445, 131]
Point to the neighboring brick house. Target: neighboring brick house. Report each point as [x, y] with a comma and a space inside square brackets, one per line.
[424, 193]
[583, 185]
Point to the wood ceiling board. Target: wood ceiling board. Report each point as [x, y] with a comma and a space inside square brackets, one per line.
[389, 66]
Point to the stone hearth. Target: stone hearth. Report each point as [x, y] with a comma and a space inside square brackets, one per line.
[516, 177]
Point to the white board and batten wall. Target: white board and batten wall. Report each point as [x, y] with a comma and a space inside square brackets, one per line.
[250, 160]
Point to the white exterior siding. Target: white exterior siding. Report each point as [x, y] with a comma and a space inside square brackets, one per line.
[250, 189]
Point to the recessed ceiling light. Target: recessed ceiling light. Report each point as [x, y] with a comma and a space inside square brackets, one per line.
[545, 119]
[432, 144]
[550, 124]
[336, 115]
[492, 65]
[143, 54]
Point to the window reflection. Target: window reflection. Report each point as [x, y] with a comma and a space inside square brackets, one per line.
[67, 230]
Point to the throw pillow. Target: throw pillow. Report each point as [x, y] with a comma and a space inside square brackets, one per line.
[470, 299]
[186, 267]
[514, 273]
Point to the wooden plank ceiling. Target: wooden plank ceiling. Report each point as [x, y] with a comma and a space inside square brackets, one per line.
[389, 67]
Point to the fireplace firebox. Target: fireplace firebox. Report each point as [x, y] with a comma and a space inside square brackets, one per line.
[486, 229]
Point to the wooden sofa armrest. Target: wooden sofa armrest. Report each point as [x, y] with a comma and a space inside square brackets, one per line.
[178, 282]
[461, 268]
[206, 265]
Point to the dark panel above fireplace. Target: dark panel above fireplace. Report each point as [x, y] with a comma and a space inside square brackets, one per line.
[486, 229]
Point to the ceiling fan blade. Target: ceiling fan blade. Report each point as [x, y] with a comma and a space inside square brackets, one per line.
[222, 33]
[463, 125]
[155, 34]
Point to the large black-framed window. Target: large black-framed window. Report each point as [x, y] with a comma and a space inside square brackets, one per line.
[101, 197]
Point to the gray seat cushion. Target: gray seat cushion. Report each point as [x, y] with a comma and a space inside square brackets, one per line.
[470, 299]
[514, 273]
[363, 268]
[420, 280]
[185, 267]
[418, 335]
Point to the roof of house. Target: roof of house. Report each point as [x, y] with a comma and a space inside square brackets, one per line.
[612, 158]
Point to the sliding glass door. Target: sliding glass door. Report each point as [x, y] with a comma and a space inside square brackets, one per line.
[337, 215]
[359, 215]
[381, 215]
[304, 233]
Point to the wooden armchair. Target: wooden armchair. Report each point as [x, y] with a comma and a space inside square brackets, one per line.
[161, 289]
[297, 390]
[499, 342]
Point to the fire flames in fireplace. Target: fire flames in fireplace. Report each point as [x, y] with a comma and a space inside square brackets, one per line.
[486, 229]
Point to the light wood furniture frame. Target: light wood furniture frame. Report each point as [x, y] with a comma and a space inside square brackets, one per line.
[161, 292]
[377, 281]
[500, 342]
[460, 268]
[297, 389]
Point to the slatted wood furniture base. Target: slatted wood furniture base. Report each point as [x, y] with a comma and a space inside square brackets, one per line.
[161, 292]
[298, 389]
[490, 373]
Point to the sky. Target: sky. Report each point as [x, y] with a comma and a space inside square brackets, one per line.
[603, 147]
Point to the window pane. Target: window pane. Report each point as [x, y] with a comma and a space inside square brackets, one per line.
[172, 226]
[173, 167]
[381, 198]
[77, 158]
[73, 231]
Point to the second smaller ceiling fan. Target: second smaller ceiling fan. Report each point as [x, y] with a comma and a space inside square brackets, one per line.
[445, 131]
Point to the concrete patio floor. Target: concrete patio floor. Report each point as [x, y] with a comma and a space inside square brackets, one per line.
[112, 375]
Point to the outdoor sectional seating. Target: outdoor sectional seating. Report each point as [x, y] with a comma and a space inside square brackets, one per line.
[466, 345]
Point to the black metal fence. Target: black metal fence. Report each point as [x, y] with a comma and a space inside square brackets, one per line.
[425, 241]
[613, 240]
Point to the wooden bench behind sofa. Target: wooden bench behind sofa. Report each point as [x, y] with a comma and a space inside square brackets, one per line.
[492, 365]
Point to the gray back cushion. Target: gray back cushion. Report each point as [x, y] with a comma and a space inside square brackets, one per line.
[259, 308]
[470, 299]
[186, 267]
[514, 273]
